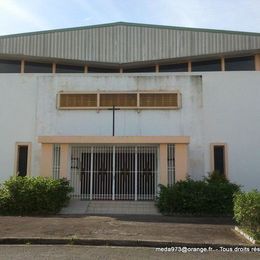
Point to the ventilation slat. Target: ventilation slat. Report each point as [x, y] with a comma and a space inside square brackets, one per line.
[134, 100]
[78, 100]
[158, 100]
[119, 100]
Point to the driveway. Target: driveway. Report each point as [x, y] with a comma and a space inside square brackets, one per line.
[142, 228]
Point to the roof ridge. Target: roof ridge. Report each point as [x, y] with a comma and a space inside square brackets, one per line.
[131, 24]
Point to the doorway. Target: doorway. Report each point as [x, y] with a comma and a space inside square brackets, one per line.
[114, 172]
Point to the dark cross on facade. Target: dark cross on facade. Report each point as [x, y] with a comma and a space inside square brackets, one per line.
[114, 109]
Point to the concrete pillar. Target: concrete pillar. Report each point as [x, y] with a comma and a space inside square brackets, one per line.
[64, 156]
[257, 62]
[163, 165]
[189, 66]
[53, 67]
[181, 162]
[22, 66]
[46, 160]
[222, 64]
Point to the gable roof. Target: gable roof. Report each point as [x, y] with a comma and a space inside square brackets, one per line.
[127, 42]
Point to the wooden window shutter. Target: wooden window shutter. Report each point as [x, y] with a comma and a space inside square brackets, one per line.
[158, 100]
[78, 100]
[118, 99]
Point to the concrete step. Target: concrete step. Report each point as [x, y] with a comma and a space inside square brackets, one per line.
[111, 207]
[75, 207]
[122, 207]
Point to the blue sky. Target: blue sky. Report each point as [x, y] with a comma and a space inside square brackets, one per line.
[18, 16]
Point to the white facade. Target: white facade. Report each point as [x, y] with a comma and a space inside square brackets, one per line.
[217, 107]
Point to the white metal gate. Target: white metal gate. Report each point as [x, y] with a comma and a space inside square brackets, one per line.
[114, 172]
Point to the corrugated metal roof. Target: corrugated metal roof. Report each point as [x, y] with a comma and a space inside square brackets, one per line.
[127, 43]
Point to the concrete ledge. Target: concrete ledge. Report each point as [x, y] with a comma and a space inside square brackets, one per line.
[246, 236]
[114, 139]
[105, 242]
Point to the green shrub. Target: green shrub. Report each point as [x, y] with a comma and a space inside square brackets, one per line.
[216, 177]
[247, 211]
[33, 196]
[197, 197]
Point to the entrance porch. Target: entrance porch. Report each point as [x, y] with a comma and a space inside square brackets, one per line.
[115, 168]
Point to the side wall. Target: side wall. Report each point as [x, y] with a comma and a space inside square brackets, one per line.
[232, 116]
[18, 106]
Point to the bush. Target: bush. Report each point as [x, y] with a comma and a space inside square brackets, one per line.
[247, 211]
[33, 196]
[216, 177]
[206, 197]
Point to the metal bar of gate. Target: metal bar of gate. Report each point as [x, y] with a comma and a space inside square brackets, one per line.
[136, 173]
[91, 173]
[113, 173]
[56, 162]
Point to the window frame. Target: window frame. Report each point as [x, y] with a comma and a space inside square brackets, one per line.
[11, 62]
[212, 157]
[16, 160]
[37, 64]
[60, 68]
[234, 59]
[205, 63]
[166, 68]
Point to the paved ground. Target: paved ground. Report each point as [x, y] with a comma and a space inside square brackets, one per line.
[29, 252]
[155, 228]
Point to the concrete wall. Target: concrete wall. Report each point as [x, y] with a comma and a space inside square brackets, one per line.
[217, 107]
[232, 115]
[18, 99]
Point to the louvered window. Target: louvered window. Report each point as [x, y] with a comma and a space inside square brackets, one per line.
[136, 100]
[78, 100]
[158, 100]
[119, 100]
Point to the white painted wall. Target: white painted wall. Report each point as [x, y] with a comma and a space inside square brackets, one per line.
[232, 115]
[18, 98]
[186, 121]
[217, 107]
